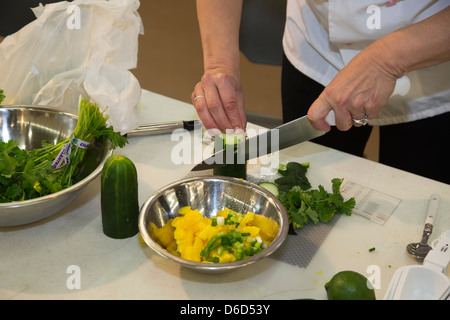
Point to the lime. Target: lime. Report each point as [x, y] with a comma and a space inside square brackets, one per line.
[349, 285]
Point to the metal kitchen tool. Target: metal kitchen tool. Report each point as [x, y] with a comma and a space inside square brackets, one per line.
[164, 128]
[424, 282]
[209, 195]
[281, 137]
[419, 250]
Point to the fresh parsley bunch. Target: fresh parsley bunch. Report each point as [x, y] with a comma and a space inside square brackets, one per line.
[30, 174]
[304, 204]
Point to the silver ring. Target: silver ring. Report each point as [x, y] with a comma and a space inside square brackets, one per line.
[362, 121]
[197, 97]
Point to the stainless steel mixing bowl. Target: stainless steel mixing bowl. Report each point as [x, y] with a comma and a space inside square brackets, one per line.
[209, 195]
[30, 125]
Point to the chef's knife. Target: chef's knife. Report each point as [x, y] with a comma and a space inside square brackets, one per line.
[281, 137]
[286, 135]
[164, 128]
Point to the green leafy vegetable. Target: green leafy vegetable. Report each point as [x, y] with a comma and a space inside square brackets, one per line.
[293, 174]
[30, 174]
[2, 96]
[304, 204]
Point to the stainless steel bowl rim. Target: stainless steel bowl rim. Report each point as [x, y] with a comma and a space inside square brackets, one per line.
[72, 188]
[283, 231]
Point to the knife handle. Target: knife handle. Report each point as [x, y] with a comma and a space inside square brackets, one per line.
[163, 128]
[402, 86]
[331, 118]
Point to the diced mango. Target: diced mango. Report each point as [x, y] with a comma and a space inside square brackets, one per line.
[163, 234]
[172, 248]
[247, 218]
[189, 253]
[223, 213]
[184, 210]
[268, 227]
[207, 233]
[225, 257]
[187, 235]
[254, 231]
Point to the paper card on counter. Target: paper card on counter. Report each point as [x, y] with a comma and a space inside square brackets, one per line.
[371, 204]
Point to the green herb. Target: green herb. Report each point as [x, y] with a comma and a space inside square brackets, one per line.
[372, 249]
[303, 204]
[2, 96]
[30, 174]
[293, 174]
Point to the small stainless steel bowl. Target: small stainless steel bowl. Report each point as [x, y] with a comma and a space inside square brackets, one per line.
[209, 195]
[29, 125]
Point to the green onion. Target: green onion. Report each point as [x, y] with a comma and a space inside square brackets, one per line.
[213, 259]
[205, 252]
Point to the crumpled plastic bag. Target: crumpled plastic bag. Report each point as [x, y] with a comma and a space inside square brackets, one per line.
[84, 47]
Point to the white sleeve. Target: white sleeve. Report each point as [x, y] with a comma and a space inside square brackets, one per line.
[362, 20]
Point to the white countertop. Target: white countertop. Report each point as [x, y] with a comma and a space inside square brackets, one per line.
[37, 260]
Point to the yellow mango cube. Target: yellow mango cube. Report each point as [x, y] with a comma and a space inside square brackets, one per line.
[254, 231]
[268, 227]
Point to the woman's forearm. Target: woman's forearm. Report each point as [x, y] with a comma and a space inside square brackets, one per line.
[218, 97]
[219, 23]
[420, 45]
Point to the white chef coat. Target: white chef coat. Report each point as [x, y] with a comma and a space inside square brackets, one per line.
[322, 36]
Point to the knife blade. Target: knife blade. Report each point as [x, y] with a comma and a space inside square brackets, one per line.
[281, 137]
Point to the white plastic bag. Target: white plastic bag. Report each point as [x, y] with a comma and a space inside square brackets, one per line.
[84, 47]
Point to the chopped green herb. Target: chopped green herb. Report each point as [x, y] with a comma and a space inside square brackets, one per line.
[304, 204]
[372, 249]
[293, 174]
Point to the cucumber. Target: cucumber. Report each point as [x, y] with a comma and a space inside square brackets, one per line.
[272, 187]
[119, 198]
[230, 142]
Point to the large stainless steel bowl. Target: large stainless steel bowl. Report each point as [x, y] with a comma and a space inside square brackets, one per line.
[29, 125]
[209, 195]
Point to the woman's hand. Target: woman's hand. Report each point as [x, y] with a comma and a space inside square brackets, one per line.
[359, 90]
[219, 100]
[218, 97]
